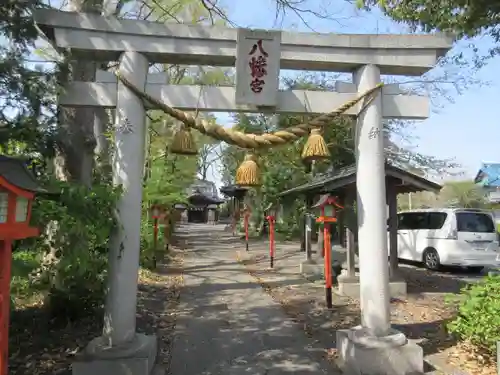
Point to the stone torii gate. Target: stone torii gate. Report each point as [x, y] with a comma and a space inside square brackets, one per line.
[373, 348]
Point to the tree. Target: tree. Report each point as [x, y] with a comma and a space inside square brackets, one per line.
[25, 93]
[208, 155]
[464, 18]
[73, 269]
[462, 194]
[167, 175]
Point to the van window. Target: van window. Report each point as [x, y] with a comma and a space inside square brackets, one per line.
[436, 220]
[421, 220]
[475, 222]
[412, 220]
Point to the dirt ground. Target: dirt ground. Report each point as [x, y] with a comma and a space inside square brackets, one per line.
[42, 347]
[421, 316]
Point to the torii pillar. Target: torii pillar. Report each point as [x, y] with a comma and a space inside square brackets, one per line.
[374, 347]
[121, 350]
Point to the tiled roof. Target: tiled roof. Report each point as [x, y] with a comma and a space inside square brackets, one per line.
[15, 172]
[204, 189]
[234, 190]
[345, 176]
[488, 175]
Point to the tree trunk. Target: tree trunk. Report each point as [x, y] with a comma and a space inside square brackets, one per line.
[103, 149]
[76, 141]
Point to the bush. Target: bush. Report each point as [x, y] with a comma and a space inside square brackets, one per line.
[478, 319]
[73, 245]
[148, 252]
[21, 289]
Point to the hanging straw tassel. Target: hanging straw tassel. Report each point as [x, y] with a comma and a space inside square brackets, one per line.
[315, 147]
[248, 173]
[183, 142]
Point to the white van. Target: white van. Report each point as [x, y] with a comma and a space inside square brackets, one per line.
[448, 236]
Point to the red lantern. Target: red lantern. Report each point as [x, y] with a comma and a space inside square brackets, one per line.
[17, 191]
[328, 205]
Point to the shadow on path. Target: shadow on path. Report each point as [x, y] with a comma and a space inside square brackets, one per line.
[227, 325]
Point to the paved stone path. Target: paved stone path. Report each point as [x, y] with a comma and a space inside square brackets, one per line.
[227, 324]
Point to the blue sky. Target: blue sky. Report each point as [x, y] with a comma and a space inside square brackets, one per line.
[467, 130]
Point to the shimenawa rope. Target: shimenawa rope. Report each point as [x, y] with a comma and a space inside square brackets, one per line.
[238, 138]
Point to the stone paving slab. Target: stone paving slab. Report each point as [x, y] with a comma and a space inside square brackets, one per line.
[227, 324]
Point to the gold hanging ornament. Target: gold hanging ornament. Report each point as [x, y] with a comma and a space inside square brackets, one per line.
[183, 142]
[248, 173]
[315, 147]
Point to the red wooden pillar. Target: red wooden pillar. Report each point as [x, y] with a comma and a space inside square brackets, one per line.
[271, 220]
[5, 271]
[327, 249]
[155, 233]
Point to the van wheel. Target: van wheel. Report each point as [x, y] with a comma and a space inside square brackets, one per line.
[431, 259]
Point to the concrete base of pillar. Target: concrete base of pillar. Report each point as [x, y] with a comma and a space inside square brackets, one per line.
[245, 256]
[308, 268]
[349, 286]
[136, 358]
[312, 269]
[362, 354]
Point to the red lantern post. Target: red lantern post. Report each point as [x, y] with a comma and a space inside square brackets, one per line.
[327, 205]
[17, 191]
[271, 219]
[155, 215]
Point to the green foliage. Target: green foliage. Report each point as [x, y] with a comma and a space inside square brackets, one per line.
[478, 319]
[148, 251]
[169, 179]
[288, 229]
[74, 242]
[463, 18]
[23, 264]
[26, 92]
[167, 175]
[463, 194]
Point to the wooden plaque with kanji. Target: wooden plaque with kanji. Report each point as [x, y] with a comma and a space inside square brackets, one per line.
[257, 68]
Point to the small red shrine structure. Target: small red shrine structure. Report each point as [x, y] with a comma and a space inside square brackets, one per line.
[327, 205]
[17, 191]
